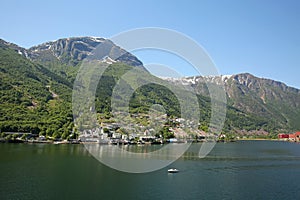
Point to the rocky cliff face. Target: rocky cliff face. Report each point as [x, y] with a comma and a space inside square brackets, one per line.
[262, 97]
[71, 51]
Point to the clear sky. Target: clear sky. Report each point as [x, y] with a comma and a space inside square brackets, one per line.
[261, 37]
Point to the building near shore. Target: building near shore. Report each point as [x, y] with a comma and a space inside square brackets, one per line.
[283, 136]
[294, 137]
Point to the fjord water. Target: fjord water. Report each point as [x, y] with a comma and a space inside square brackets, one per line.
[239, 170]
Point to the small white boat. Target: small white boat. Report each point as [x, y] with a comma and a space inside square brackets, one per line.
[173, 170]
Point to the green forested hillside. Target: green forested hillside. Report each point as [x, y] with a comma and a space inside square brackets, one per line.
[33, 99]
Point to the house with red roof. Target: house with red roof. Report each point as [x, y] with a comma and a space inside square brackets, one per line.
[282, 136]
[297, 136]
[294, 137]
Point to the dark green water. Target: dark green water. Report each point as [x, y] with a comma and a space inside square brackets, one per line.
[241, 170]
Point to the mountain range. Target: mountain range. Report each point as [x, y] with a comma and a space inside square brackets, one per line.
[266, 99]
[36, 87]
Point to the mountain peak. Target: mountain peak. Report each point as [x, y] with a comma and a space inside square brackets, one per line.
[73, 50]
[16, 48]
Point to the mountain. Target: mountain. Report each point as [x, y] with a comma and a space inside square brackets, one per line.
[64, 56]
[36, 83]
[267, 99]
[36, 88]
[73, 50]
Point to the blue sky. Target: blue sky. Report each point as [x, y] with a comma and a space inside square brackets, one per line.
[259, 37]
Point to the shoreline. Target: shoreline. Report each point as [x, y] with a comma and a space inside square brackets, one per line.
[258, 139]
[80, 142]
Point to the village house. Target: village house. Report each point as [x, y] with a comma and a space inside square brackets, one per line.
[294, 137]
[283, 136]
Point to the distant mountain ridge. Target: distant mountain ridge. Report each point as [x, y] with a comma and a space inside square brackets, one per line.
[272, 100]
